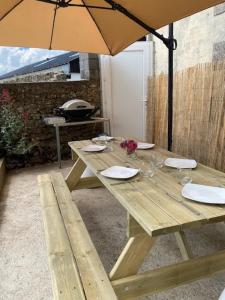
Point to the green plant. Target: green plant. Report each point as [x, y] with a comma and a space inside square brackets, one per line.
[13, 135]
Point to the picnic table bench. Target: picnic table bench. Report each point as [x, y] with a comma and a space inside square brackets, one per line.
[154, 207]
[76, 269]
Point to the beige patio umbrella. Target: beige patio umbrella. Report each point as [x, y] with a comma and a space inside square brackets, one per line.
[95, 26]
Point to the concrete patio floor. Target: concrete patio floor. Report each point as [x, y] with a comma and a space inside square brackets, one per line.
[24, 271]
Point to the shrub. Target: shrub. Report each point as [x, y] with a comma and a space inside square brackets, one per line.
[13, 132]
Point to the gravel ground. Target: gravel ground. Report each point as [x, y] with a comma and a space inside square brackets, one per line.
[24, 271]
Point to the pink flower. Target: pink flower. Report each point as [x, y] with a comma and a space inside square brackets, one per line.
[130, 145]
[5, 97]
[123, 144]
[25, 117]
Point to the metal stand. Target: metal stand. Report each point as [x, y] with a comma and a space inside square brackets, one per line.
[170, 91]
[57, 133]
[58, 145]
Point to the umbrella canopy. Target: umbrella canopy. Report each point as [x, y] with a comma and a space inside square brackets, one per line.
[95, 26]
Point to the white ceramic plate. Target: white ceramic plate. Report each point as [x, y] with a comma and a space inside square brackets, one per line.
[93, 148]
[143, 146]
[222, 296]
[103, 138]
[180, 163]
[118, 172]
[204, 193]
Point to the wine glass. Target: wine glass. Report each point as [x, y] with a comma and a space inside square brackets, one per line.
[159, 161]
[109, 145]
[152, 166]
[144, 171]
[184, 176]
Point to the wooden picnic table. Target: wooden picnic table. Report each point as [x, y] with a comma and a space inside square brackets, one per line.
[155, 207]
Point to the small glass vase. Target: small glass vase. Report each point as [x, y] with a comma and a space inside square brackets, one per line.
[132, 154]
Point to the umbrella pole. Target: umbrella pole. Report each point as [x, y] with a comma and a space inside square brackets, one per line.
[170, 91]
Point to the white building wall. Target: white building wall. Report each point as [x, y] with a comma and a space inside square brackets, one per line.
[201, 39]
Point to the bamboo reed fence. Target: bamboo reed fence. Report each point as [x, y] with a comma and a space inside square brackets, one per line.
[199, 113]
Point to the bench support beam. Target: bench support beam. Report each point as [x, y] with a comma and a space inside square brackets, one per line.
[88, 183]
[168, 277]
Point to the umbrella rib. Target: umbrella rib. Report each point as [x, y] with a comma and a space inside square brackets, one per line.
[53, 27]
[68, 4]
[11, 9]
[170, 43]
[97, 27]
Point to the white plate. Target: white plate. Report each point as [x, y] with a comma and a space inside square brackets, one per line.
[103, 138]
[204, 193]
[93, 148]
[118, 172]
[143, 146]
[180, 163]
[222, 296]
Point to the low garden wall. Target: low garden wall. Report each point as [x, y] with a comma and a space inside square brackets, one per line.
[37, 100]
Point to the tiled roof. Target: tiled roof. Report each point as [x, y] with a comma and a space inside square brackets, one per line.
[46, 64]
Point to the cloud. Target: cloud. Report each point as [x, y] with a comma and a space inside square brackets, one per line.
[12, 58]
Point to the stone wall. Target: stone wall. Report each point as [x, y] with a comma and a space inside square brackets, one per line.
[200, 37]
[39, 100]
[37, 77]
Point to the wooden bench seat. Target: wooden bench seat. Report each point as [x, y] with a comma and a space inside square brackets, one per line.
[76, 269]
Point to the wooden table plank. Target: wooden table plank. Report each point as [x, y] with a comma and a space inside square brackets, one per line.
[149, 215]
[210, 213]
[155, 203]
[170, 184]
[202, 175]
[181, 214]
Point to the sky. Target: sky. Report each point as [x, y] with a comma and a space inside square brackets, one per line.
[12, 58]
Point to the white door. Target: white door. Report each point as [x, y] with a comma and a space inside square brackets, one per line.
[124, 89]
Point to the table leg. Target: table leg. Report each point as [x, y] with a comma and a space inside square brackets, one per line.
[132, 256]
[133, 228]
[160, 279]
[74, 156]
[135, 251]
[109, 128]
[74, 180]
[183, 245]
[75, 173]
[58, 145]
